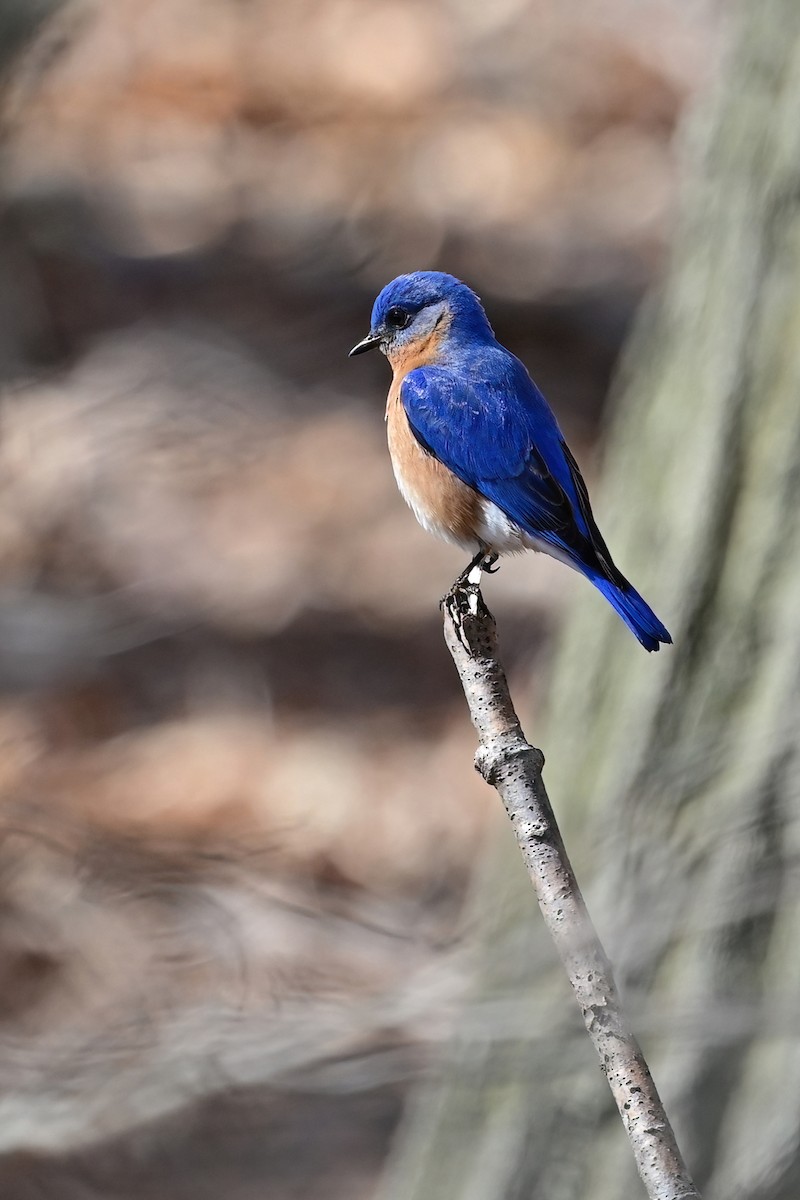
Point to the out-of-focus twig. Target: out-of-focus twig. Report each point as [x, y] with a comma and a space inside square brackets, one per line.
[512, 766]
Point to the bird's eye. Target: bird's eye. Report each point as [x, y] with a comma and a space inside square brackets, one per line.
[397, 318]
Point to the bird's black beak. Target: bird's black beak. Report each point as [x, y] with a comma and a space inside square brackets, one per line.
[368, 343]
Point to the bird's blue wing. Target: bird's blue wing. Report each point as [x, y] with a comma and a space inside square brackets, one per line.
[489, 423]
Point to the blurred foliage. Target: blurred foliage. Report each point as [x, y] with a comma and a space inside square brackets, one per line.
[238, 812]
[246, 158]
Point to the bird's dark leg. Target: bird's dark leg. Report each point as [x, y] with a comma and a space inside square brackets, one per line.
[462, 579]
[464, 598]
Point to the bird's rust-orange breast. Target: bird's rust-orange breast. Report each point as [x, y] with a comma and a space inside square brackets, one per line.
[440, 501]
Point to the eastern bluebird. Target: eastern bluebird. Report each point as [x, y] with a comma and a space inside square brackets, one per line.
[476, 450]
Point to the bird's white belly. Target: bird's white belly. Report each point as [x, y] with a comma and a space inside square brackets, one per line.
[498, 531]
[502, 535]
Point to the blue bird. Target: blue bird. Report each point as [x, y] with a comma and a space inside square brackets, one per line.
[476, 450]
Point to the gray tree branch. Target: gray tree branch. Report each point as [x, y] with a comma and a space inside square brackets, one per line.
[512, 766]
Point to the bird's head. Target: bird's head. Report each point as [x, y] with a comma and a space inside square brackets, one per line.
[422, 309]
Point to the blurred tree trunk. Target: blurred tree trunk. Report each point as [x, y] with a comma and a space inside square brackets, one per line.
[19, 21]
[677, 776]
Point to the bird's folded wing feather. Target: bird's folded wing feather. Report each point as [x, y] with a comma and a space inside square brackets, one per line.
[493, 428]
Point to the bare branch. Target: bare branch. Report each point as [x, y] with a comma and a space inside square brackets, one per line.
[514, 768]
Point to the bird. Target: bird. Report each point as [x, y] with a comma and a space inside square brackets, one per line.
[476, 450]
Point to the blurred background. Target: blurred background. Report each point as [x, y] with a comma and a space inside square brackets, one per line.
[237, 806]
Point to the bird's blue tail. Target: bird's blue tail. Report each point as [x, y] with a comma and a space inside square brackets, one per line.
[635, 612]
